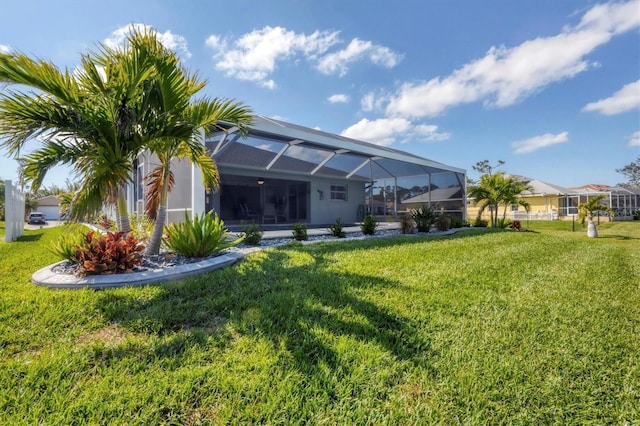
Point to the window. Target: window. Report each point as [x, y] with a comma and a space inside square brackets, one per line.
[339, 192]
[515, 207]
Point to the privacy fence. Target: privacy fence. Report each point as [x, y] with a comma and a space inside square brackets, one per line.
[13, 212]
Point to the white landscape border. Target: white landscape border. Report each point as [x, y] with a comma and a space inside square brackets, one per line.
[46, 277]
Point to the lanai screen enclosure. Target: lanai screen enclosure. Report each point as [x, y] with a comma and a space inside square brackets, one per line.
[281, 173]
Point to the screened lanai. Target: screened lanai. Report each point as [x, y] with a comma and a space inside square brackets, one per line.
[283, 173]
[623, 201]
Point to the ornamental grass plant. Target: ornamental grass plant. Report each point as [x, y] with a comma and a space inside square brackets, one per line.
[202, 236]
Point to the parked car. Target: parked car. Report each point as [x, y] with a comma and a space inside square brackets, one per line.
[36, 218]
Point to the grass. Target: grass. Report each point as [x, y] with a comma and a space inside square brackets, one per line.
[485, 327]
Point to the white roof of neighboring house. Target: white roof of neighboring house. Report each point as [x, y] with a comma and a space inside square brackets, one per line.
[541, 188]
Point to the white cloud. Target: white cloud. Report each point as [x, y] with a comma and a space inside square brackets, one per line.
[538, 142]
[428, 133]
[171, 41]
[338, 98]
[625, 99]
[4, 48]
[634, 139]
[370, 102]
[216, 43]
[506, 75]
[386, 131]
[254, 56]
[382, 131]
[337, 62]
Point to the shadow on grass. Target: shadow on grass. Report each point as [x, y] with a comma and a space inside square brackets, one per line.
[29, 238]
[619, 237]
[303, 307]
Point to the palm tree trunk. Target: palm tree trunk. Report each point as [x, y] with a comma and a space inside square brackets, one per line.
[494, 215]
[161, 218]
[123, 213]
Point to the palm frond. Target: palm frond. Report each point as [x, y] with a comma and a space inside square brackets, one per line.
[154, 183]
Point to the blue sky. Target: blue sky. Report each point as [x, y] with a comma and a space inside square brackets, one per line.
[550, 87]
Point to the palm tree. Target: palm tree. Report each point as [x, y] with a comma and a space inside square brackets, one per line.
[182, 120]
[497, 189]
[488, 193]
[586, 211]
[87, 119]
[510, 196]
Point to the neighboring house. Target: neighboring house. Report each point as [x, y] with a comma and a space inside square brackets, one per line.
[549, 202]
[623, 201]
[282, 173]
[50, 206]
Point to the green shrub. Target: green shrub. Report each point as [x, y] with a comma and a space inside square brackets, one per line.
[201, 236]
[252, 234]
[636, 215]
[406, 224]
[141, 226]
[300, 232]
[65, 246]
[369, 225]
[423, 217]
[337, 230]
[112, 253]
[480, 223]
[456, 222]
[443, 222]
[503, 222]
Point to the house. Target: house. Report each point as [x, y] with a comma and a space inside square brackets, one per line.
[548, 201]
[282, 173]
[623, 201]
[50, 206]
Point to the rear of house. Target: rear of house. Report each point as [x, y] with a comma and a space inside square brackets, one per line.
[281, 173]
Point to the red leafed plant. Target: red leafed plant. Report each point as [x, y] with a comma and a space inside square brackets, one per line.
[113, 253]
[516, 225]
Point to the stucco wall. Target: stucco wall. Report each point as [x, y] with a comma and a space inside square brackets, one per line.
[321, 211]
[326, 211]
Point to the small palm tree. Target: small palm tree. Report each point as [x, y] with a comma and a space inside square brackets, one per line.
[87, 119]
[180, 122]
[511, 193]
[587, 210]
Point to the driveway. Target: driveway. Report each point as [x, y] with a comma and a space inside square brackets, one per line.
[48, 224]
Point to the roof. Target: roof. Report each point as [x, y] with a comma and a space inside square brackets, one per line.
[595, 187]
[327, 154]
[541, 188]
[49, 200]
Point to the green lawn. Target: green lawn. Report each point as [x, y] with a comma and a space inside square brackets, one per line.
[484, 327]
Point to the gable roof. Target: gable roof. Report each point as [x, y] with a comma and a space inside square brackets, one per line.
[49, 200]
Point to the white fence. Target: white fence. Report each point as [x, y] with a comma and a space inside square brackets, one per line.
[13, 212]
[534, 216]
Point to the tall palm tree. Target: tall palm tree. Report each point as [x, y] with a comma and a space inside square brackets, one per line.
[510, 196]
[183, 120]
[497, 189]
[87, 119]
[488, 193]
